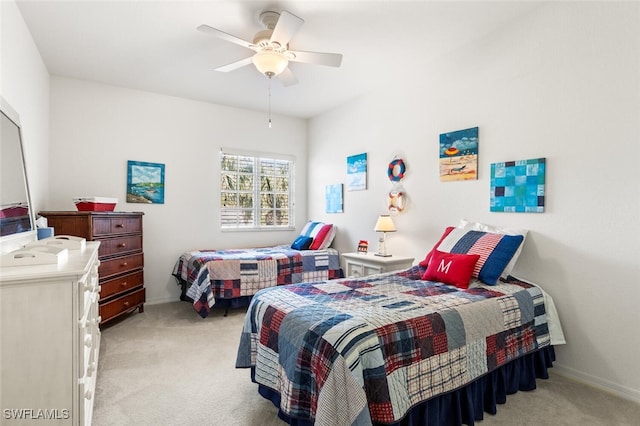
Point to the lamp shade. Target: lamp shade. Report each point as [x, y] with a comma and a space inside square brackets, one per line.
[270, 63]
[385, 224]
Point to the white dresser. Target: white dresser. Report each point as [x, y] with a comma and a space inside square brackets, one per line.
[49, 340]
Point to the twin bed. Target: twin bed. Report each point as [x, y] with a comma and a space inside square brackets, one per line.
[440, 343]
[394, 349]
[229, 278]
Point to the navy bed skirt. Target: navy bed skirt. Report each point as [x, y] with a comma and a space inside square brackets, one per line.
[467, 404]
[239, 302]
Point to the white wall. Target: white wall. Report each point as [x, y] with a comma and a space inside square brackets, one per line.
[96, 128]
[24, 83]
[561, 83]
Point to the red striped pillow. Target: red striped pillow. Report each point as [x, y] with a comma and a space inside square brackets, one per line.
[495, 250]
[322, 234]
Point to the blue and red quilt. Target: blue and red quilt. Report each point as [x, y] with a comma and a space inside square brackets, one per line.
[230, 274]
[371, 348]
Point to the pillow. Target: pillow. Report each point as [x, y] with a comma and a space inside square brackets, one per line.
[450, 268]
[322, 234]
[425, 262]
[302, 243]
[495, 250]
[324, 237]
[498, 230]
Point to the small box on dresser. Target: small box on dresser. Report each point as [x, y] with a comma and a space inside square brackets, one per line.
[121, 255]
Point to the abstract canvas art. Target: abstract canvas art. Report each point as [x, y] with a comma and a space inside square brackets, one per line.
[518, 186]
[333, 198]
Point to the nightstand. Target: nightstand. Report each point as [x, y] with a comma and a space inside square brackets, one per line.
[361, 265]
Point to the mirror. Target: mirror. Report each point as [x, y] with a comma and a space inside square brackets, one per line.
[17, 220]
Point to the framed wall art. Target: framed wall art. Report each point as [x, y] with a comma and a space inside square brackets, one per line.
[145, 182]
[333, 198]
[518, 186]
[357, 172]
[459, 155]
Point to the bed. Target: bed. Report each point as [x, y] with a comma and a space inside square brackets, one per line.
[398, 348]
[229, 278]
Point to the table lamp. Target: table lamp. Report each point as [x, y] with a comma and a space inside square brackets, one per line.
[384, 225]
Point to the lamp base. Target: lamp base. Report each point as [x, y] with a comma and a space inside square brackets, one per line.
[382, 255]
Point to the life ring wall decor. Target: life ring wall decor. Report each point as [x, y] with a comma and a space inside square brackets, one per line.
[396, 201]
[396, 170]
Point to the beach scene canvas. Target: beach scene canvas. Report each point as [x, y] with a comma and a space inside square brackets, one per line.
[145, 182]
[459, 155]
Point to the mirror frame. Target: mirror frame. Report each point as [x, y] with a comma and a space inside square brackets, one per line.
[15, 241]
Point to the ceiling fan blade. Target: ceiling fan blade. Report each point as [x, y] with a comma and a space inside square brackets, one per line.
[287, 78]
[235, 65]
[225, 36]
[317, 58]
[287, 26]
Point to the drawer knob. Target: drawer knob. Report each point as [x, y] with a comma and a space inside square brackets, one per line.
[123, 284]
[119, 225]
[122, 245]
[126, 304]
[124, 264]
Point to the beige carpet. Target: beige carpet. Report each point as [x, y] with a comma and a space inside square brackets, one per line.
[167, 366]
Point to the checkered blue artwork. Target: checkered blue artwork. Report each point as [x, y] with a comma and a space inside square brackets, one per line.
[518, 186]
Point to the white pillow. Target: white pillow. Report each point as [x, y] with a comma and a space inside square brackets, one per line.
[477, 226]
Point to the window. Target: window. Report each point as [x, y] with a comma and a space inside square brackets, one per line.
[256, 191]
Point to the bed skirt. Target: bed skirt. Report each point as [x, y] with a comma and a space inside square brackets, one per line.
[467, 404]
[235, 303]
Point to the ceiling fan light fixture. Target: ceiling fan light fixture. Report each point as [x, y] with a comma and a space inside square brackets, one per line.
[270, 63]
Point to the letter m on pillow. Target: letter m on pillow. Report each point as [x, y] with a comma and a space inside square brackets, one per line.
[444, 268]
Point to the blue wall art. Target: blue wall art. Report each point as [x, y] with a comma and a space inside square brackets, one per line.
[518, 186]
[145, 182]
[357, 172]
[333, 198]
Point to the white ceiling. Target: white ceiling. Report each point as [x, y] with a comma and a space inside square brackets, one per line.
[154, 45]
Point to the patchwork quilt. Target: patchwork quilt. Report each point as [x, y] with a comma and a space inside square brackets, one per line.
[368, 349]
[229, 274]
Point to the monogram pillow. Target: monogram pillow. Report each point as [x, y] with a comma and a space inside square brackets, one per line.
[451, 268]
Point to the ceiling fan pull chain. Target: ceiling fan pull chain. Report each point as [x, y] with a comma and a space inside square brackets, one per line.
[269, 102]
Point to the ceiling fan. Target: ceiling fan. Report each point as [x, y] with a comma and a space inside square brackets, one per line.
[271, 45]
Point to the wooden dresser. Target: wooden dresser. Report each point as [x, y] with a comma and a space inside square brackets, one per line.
[121, 256]
[49, 340]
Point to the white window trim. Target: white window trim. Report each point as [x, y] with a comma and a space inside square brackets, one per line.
[268, 155]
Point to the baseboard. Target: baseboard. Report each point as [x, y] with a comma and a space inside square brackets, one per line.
[164, 300]
[598, 383]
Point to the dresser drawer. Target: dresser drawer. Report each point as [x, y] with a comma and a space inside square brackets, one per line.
[120, 245]
[112, 267]
[122, 304]
[121, 284]
[116, 225]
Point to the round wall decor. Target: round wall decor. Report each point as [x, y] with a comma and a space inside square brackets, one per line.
[396, 170]
[396, 201]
